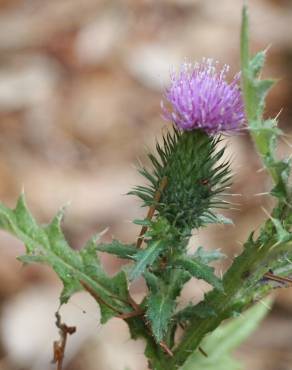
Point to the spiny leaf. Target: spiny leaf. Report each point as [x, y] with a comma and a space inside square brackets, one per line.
[201, 310]
[257, 63]
[152, 281]
[144, 222]
[199, 270]
[212, 218]
[119, 249]
[266, 133]
[282, 171]
[146, 257]
[47, 244]
[161, 301]
[159, 312]
[283, 236]
[206, 257]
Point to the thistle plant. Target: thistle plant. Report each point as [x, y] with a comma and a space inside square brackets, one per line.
[183, 192]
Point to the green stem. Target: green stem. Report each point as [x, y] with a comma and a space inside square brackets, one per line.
[239, 282]
[251, 101]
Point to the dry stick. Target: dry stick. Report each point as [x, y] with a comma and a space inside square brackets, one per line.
[59, 346]
[151, 210]
[279, 279]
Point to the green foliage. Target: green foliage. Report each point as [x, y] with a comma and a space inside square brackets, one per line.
[198, 270]
[264, 132]
[146, 257]
[47, 244]
[184, 184]
[201, 310]
[223, 340]
[193, 157]
[126, 251]
[161, 301]
[246, 281]
[160, 309]
[208, 256]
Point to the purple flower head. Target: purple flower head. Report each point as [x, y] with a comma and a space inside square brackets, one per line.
[201, 98]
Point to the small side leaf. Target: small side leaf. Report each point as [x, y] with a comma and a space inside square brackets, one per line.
[215, 219]
[199, 270]
[160, 310]
[119, 249]
[206, 257]
[161, 301]
[201, 310]
[146, 257]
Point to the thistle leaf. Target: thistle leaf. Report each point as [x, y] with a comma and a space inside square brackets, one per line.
[47, 244]
[206, 257]
[146, 257]
[152, 281]
[159, 312]
[257, 63]
[211, 218]
[199, 270]
[119, 249]
[161, 301]
[202, 310]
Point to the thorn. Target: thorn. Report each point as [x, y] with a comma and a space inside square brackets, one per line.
[286, 142]
[166, 349]
[103, 232]
[261, 194]
[235, 209]
[265, 305]
[261, 246]
[267, 213]
[275, 245]
[281, 110]
[202, 351]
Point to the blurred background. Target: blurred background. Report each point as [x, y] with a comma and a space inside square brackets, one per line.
[80, 91]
